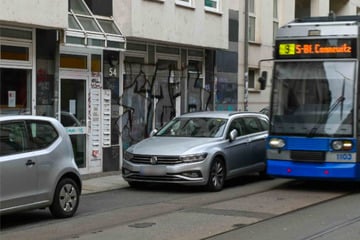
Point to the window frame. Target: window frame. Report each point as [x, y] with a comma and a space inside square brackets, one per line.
[254, 79]
[185, 3]
[213, 9]
[252, 24]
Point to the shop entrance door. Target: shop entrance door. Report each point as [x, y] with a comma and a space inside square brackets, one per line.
[73, 105]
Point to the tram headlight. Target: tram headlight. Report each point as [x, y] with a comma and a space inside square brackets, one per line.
[276, 143]
[342, 145]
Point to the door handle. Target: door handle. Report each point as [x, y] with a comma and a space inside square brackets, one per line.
[30, 163]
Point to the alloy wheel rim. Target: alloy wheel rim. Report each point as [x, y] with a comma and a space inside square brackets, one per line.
[68, 197]
[218, 174]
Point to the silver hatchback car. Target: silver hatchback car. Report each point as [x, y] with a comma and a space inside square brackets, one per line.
[37, 167]
[200, 148]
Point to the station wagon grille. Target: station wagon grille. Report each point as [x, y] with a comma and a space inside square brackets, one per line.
[164, 160]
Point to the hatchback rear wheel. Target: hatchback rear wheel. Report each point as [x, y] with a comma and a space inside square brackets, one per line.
[66, 199]
[216, 176]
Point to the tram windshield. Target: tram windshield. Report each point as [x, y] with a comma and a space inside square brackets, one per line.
[313, 98]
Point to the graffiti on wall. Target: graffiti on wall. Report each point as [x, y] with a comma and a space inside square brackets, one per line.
[154, 93]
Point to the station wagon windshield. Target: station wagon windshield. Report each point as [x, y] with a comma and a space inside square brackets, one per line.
[194, 127]
[313, 98]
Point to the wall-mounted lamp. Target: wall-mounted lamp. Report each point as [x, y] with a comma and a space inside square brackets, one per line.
[113, 59]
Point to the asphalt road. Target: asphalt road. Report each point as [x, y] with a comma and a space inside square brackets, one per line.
[169, 212]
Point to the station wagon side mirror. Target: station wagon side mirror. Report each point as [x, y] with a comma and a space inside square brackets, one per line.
[262, 80]
[233, 134]
[153, 132]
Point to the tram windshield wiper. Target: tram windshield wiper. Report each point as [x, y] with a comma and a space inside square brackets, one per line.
[339, 100]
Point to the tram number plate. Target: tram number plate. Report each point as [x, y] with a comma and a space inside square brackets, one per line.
[344, 156]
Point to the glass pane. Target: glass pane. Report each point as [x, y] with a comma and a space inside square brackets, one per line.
[252, 29]
[79, 149]
[96, 63]
[73, 61]
[195, 66]
[96, 42]
[14, 53]
[75, 40]
[211, 3]
[78, 7]
[13, 138]
[73, 102]
[109, 27]
[15, 91]
[72, 23]
[114, 44]
[15, 33]
[251, 6]
[73, 115]
[89, 24]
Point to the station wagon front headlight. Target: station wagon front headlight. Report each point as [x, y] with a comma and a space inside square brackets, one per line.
[193, 158]
[276, 143]
[128, 156]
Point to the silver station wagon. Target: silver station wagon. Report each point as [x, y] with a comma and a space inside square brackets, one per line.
[200, 148]
[37, 167]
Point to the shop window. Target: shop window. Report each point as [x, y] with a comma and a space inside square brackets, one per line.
[73, 61]
[15, 91]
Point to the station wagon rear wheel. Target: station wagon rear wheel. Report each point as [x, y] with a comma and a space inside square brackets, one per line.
[216, 176]
[66, 199]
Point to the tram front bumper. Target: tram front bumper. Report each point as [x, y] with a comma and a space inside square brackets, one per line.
[291, 169]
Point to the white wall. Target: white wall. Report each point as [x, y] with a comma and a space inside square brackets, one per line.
[44, 13]
[165, 21]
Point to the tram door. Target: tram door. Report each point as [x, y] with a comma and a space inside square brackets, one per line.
[73, 105]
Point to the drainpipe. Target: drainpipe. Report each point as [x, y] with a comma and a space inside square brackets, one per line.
[246, 54]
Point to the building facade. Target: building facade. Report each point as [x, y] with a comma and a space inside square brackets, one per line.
[112, 70]
[169, 60]
[61, 59]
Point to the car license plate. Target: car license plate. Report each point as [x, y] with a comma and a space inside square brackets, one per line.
[153, 170]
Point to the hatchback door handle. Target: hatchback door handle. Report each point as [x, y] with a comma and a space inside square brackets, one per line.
[30, 163]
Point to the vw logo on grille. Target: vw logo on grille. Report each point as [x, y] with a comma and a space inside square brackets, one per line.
[153, 160]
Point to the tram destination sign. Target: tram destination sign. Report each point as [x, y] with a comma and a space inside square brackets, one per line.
[315, 48]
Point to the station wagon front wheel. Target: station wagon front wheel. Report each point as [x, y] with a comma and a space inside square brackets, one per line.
[66, 199]
[216, 176]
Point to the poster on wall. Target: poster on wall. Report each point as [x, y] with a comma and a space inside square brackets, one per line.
[11, 98]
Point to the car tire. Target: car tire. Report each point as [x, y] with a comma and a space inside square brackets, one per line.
[216, 175]
[66, 199]
[135, 184]
[263, 175]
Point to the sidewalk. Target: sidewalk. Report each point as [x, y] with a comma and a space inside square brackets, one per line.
[99, 182]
